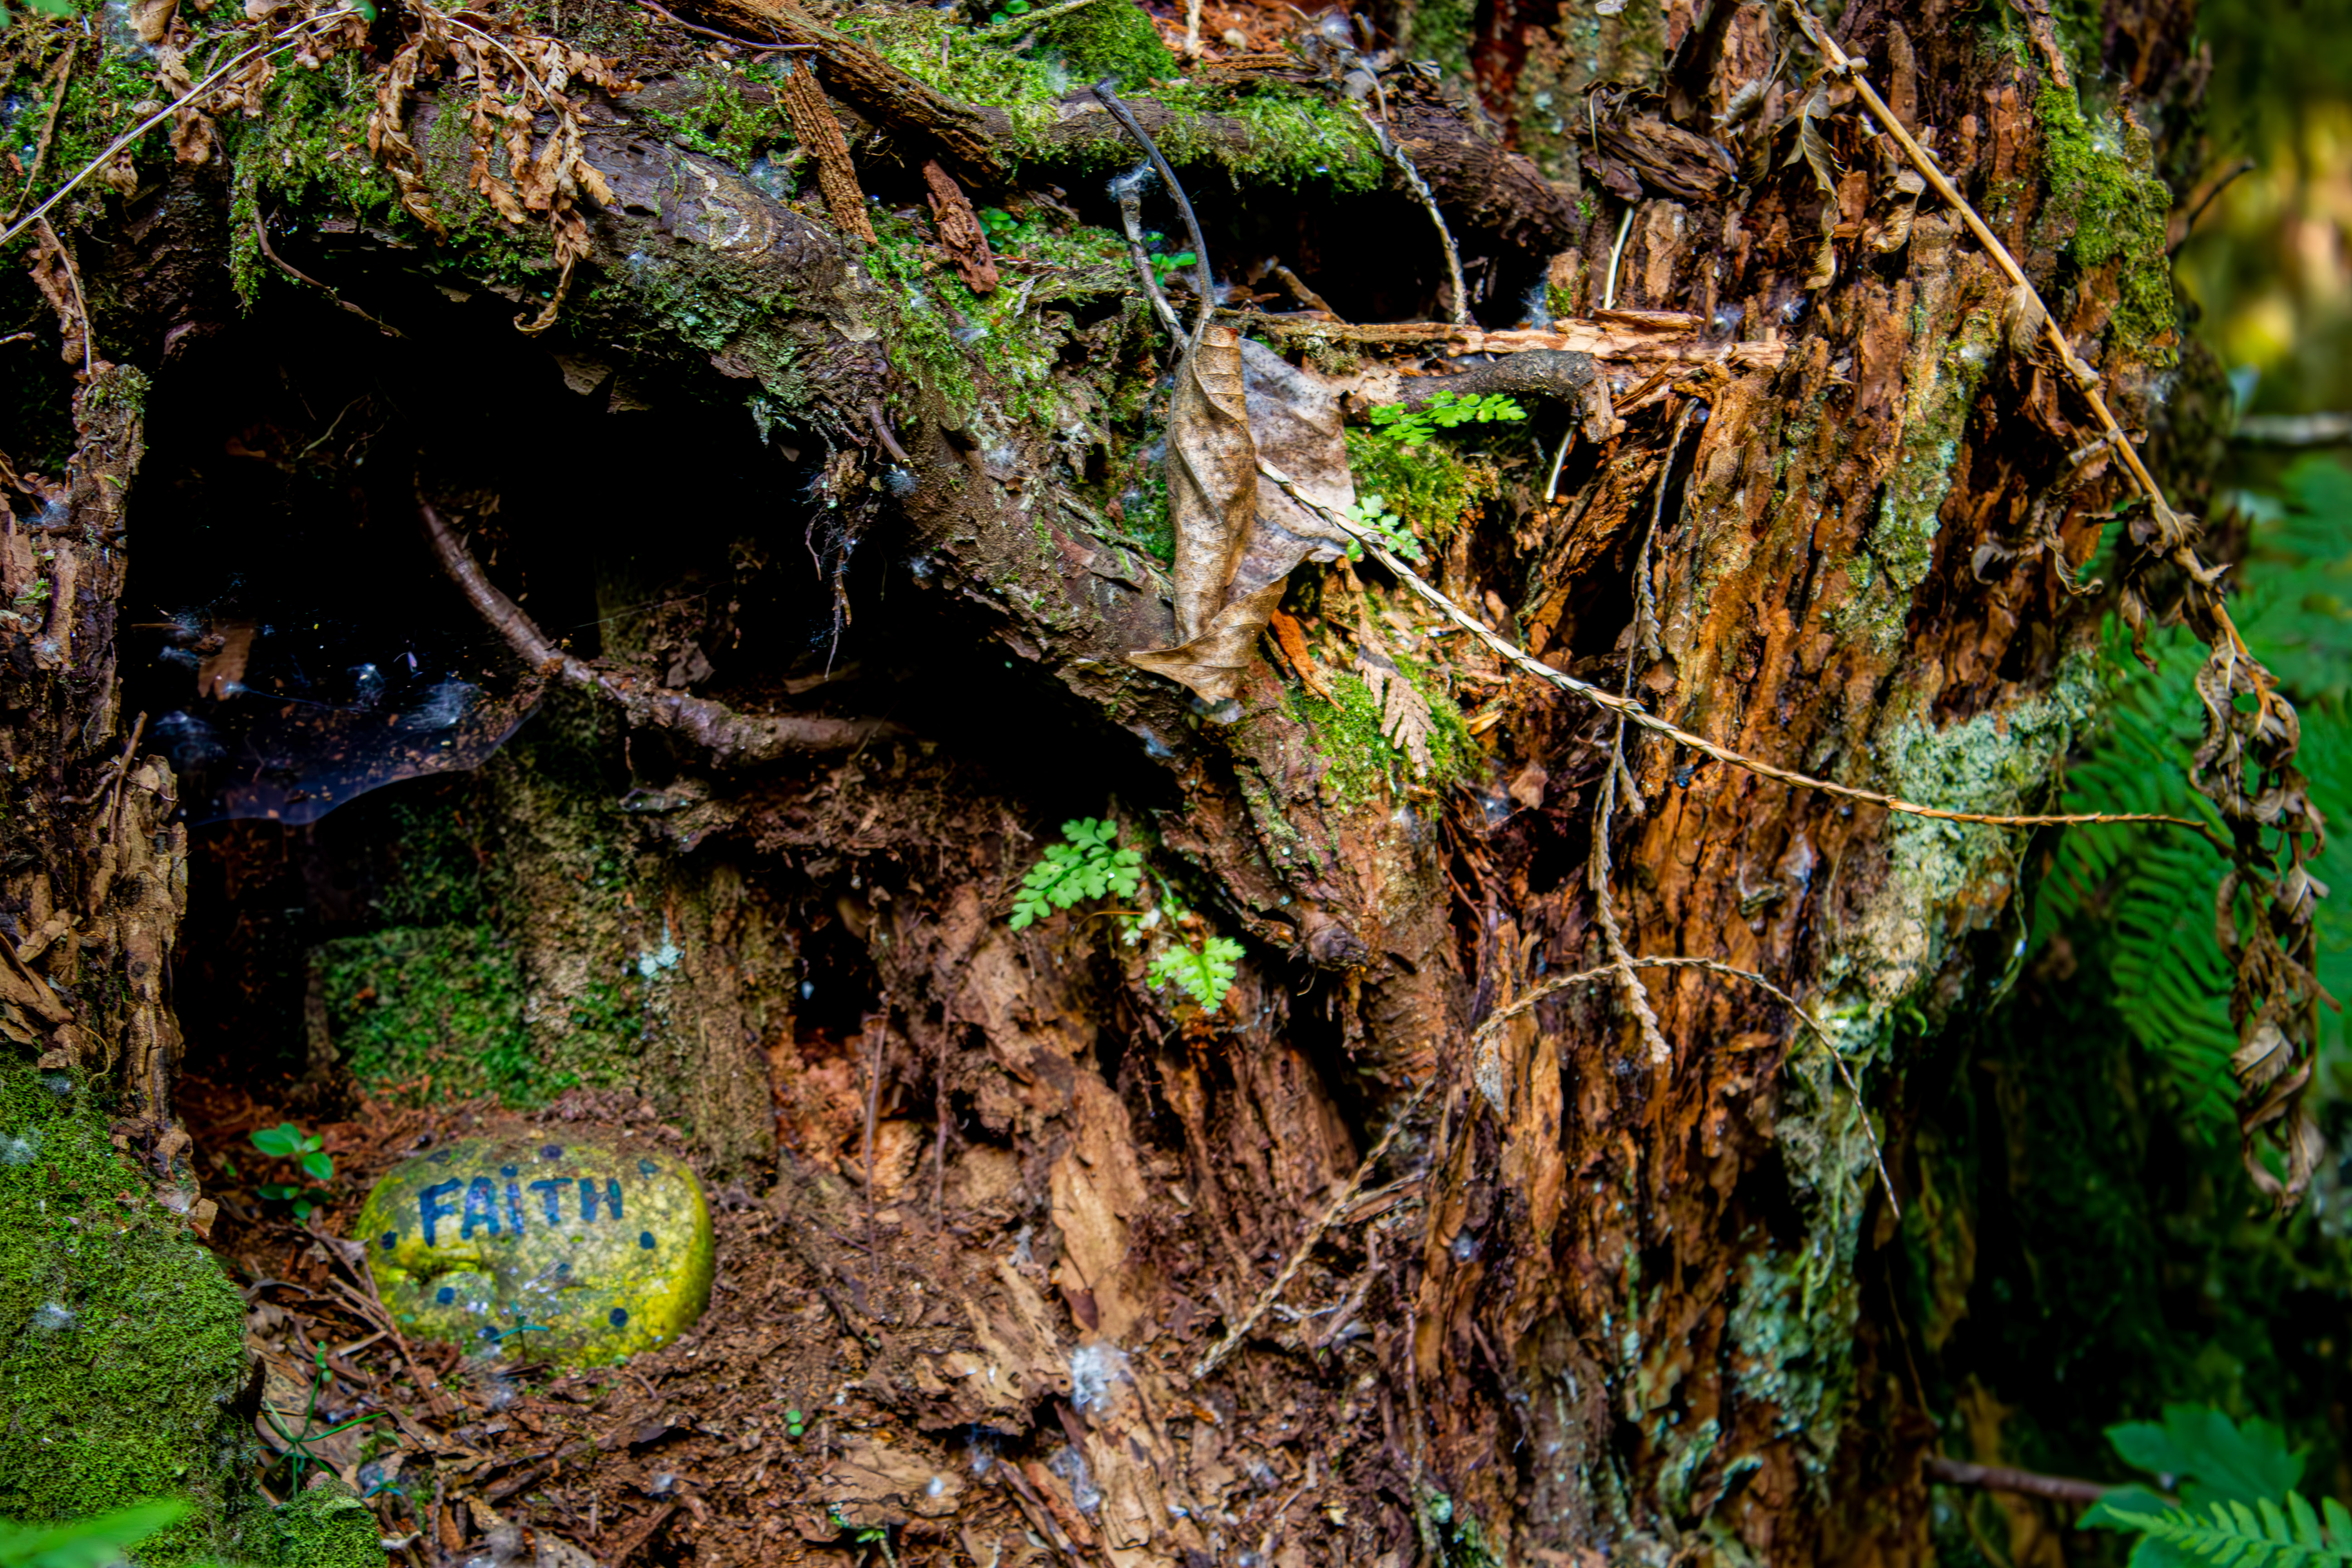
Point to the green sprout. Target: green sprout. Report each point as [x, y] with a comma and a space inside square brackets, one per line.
[1371, 514]
[1084, 866]
[1206, 976]
[306, 1149]
[297, 1444]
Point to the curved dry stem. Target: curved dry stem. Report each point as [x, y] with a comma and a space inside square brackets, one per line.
[1633, 712]
[726, 735]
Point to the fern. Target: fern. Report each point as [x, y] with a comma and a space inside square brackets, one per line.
[1443, 411]
[2236, 1535]
[1206, 976]
[2143, 898]
[1084, 864]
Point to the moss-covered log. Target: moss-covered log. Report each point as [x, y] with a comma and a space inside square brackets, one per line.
[902, 534]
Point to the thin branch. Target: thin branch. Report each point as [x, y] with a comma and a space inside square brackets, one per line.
[729, 736]
[2330, 429]
[1634, 713]
[48, 126]
[261, 232]
[676, 20]
[1331, 1212]
[1134, 128]
[1599, 874]
[82, 306]
[2001, 1478]
[278, 43]
[1616, 255]
[1420, 188]
[2230, 177]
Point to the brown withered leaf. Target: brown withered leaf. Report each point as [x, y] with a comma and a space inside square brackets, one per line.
[1404, 712]
[1236, 540]
[224, 668]
[152, 19]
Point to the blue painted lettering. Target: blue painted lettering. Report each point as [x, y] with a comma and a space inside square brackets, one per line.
[481, 1207]
[428, 1205]
[588, 1197]
[550, 1198]
[514, 1205]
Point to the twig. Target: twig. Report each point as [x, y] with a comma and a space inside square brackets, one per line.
[2001, 1478]
[1420, 188]
[723, 732]
[1331, 1211]
[1553, 987]
[2229, 178]
[1551, 485]
[1616, 254]
[82, 306]
[678, 21]
[48, 126]
[261, 232]
[1634, 713]
[1192, 29]
[114, 773]
[1598, 871]
[1133, 127]
[1015, 24]
[2332, 429]
[1130, 217]
[276, 43]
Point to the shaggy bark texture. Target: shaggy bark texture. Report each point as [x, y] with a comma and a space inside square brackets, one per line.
[1054, 1252]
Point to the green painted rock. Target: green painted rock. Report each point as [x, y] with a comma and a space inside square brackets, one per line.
[546, 1244]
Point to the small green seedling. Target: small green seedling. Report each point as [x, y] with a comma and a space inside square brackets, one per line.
[1371, 514]
[1443, 411]
[792, 1423]
[297, 1444]
[308, 1151]
[1084, 864]
[1163, 267]
[1206, 976]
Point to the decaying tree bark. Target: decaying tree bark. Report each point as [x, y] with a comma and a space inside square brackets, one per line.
[1588, 1305]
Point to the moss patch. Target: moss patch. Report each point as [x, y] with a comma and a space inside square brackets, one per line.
[326, 1526]
[410, 1003]
[1110, 38]
[2104, 187]
[122, 1343]
[1434, 487]
[1360, 761]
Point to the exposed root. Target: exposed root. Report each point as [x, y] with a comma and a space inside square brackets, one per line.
[726, 735]
[1460, 301]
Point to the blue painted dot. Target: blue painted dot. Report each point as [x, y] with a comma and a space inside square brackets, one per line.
[388, 1239]
[489, 1334]
[617, 1316]
[506, 1170]
[646, 1167]
[444, 1295]
[553, 1151]
[646, 1239]
[564, 1269]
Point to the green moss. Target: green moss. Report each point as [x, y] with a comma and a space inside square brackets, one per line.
[724, 122]
[1360, 763]
[2104, 189]
[410, 1003]
[1296, 137]
[124, 1342]
[1432, 486]
[326, 1526]
[1110, 38]
[1440, 30]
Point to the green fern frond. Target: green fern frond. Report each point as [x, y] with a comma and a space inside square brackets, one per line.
[1084, 864]
[2263, 1535]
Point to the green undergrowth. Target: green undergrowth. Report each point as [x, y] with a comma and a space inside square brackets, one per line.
[1434, 487]
[727, 123]
[1362, 763]
[122, 1352]
[1296, 137]
[2104, 189]
[434, 1012]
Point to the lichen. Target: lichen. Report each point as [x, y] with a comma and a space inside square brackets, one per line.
[2108, 206]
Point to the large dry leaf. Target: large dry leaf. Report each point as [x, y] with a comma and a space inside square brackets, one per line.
[1237, 541]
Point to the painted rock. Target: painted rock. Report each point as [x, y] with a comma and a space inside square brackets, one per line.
[542, 1245]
